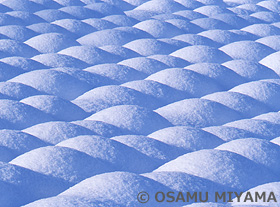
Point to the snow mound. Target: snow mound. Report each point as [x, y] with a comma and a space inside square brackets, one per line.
[155, 149]
[198, 113]
[55, 132]
[263, 91]
[164, 93]
[20, 115]
[51, 161]
[103, 99]
[246, 105]
[57, 107]
[116, 72]
[187, 138]
[223, 167]
[130, 117]
[122, 157]
[144, 65]
[51, 42]
[107, 96]
[257, 150]
[98, 187]
[29, 185]
[272, 62]
[53, 82]
[200, 54]
[191, 82]
[247, 50]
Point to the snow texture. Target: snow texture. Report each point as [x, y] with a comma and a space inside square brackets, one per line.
[103, 99]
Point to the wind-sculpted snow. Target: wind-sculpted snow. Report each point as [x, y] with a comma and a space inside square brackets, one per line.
[103, 99]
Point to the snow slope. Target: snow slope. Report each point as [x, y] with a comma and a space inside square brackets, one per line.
[103, 99]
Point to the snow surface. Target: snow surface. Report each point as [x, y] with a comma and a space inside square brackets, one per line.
[103, 99]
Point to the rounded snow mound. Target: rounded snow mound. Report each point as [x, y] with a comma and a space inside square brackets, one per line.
[266, 16]
[17, 91]
[116, 72]
[99, 24]
[121, 52]
[190, 4]
[19, 116]
[223, 167]
[246, 105]
[273, 117]
[154, 149]
[17, 181]
[271, 41]
[262, 30]
[144, 65]
[55, 132]
[263, 91]
[113, 187]
[22, 5]
[183, 182]
[221, 74]
[198, 113]
[107, 96]
[51, 15]
[59, 108]
[57, 60]
[134, 118]
[261, 128]
[71, 201]
[121, 156]
[43, 28]
[17, 32]
[53, 82]
[102, 128]
[193, 83]
[71, 2]
[25, 64]
[201, 53]
[272, 61]
[247, 50]
[170, 61]
[90, 55]
[222, 37]
[19, 142]
[51, 161]
[162, 92]
[106, 37]
[51, 42]
[79, 12]
[158, 29]
[260, 151]
[159, 6]
[76, 27]
[188, 138]
[250, 70]
[194, 39]
[121, 20]
[210, 23]
[211, 10]
[227, 133]
[148, 47]
[16, 48]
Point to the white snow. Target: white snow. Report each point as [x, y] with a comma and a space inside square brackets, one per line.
[103, 99]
